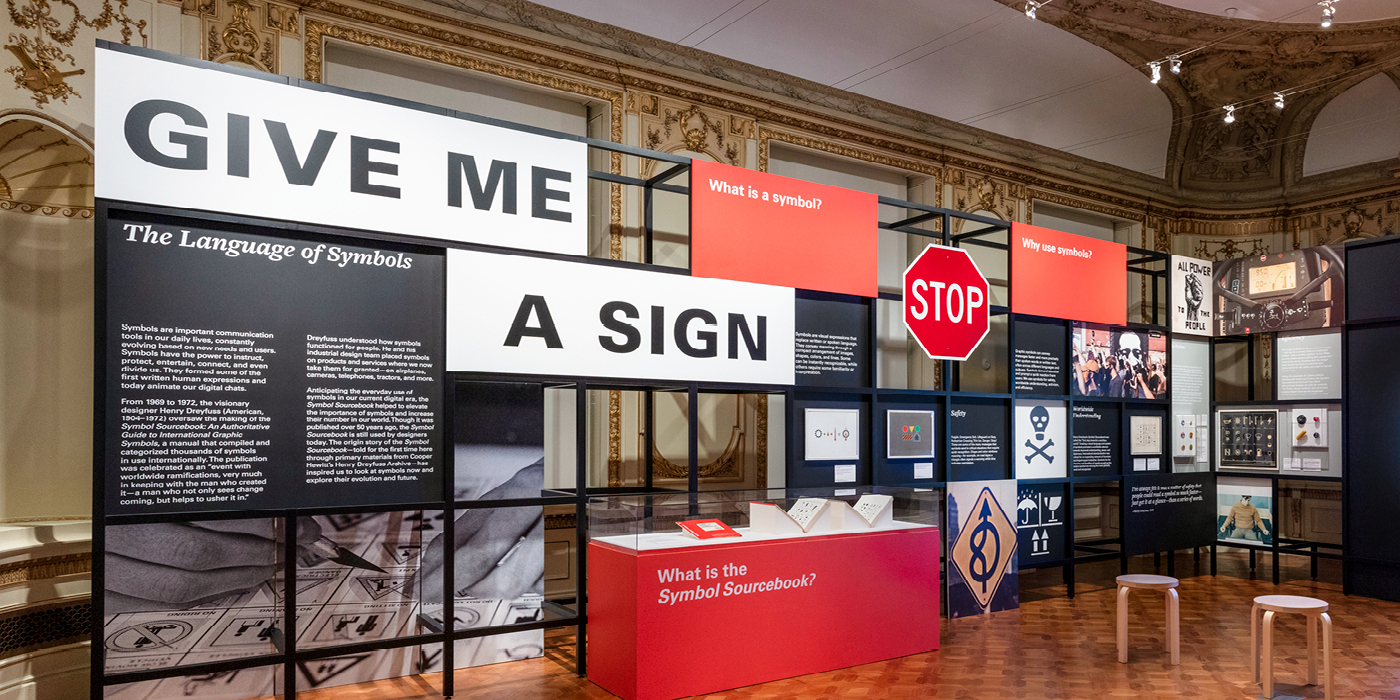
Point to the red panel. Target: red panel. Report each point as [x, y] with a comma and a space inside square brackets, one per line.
[612, 618]
[856, 598]
[802, 235]
[1062, 275]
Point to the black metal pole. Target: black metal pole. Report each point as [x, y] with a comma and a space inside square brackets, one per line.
[693, 447]
[449, 541]
[581, 525]
[289, 606]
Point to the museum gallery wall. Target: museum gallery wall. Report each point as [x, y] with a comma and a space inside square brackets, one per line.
[312, 387]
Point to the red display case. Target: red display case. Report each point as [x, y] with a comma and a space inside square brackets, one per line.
[670, 617]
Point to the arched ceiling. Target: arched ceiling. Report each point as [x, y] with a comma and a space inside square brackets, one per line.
[1298, 11]
[1075, 81]
[976, 62]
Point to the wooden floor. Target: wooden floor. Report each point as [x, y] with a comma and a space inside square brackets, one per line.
[1052, 647]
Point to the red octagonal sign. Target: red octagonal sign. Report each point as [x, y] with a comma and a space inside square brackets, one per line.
[946, 303]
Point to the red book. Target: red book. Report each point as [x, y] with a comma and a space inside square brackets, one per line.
[707, 529]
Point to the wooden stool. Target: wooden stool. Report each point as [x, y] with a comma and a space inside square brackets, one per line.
[1151, 583]
[1312, 607]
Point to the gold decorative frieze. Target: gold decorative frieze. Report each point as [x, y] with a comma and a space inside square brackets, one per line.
[43, 64]
[1230, 248]
[975, 192]
[245, 33]
[679, 126]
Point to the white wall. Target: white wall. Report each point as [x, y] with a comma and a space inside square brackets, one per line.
[46, 321]
[1076, 221]
[1358, 126]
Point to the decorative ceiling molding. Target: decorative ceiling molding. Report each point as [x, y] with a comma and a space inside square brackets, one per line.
[1259, 157]
[1205, 166]
[559, 44]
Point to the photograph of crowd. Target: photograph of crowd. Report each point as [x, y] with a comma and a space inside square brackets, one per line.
[1118, 362]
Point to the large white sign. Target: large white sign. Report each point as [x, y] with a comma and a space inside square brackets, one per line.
[522, 315]
[180, 136]
[1193, 296]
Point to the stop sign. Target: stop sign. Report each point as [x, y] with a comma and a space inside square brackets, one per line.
[946, 303]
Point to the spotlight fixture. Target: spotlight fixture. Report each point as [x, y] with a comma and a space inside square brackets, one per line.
[1229, 114]
[1156, 67]
[1327, 12]
[1175, 62]
[1278, 100]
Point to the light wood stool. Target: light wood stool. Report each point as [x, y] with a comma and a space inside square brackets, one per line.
[1151, 583]
[1315, 610]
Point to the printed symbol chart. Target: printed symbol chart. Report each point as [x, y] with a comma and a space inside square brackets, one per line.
[1040, 521]
[336, 605]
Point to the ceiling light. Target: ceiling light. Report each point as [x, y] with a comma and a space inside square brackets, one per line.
[1156, 67]
[1327, 12]
[1175, 64]
[1229, 114]
[1278, 100]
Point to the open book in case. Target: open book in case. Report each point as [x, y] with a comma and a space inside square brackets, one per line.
[667, 520]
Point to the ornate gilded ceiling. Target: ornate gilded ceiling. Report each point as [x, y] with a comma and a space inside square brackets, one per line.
[1262, 152]
[1195, 158]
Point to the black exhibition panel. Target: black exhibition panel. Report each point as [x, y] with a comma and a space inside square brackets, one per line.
[333, 368]
[980, 431]
[1097, 427]
[1370, 390]
[1166, 512]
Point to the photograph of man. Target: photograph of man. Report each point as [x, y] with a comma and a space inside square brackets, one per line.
[1245, 522]
[1132, 378]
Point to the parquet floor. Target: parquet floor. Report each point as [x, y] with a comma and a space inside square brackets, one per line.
[1052, 647]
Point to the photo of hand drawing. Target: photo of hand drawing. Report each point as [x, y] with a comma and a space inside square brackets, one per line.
[202, 591]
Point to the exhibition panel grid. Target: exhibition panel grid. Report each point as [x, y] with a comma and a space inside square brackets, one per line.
[320, 363]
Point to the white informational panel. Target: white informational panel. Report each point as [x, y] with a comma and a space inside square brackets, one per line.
[832, 433]
[175, 135]
[1040, 440]
[516, 314]
[1190, 404]
[1192, 295]
[1310, 365]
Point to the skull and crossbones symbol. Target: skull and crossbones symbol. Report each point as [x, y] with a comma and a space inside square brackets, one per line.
[1040, 420]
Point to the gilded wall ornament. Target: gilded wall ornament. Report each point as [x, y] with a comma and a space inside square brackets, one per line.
[56, 24]
[243, 32]
[1352, 223]
[1230, 248]
[677, 126]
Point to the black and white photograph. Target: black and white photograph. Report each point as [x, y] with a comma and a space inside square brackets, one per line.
[185, 593]
[1192, 293]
